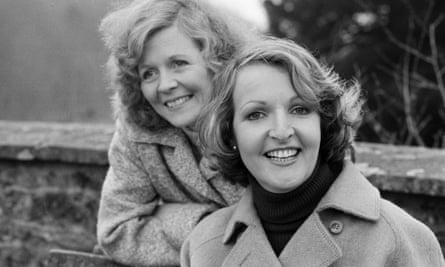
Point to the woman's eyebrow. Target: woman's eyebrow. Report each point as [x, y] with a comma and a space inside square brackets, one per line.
[261, 102]
[144, 66]
[179, 55]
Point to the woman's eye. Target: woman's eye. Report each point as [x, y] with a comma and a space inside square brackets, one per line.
[300, 110]
[255, 115]
[179, 63]
[149, 75]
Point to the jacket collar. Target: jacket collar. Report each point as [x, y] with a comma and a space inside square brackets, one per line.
[170, 136]
[180, 160]
[353, 194]
[350, 193]
[244, 214]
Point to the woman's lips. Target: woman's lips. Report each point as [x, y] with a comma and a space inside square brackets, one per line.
[283, 155]
[177, 101]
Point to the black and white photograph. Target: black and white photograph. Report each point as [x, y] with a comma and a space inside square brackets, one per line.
[201, 133]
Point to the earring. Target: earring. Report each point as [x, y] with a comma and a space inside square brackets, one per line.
[234, 147]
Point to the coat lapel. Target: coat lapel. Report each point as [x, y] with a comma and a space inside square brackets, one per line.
[252, 249]
[230, 192]
[317, 249]
[184, 167]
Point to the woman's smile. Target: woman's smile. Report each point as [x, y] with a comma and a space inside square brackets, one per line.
[177, 102]
[282, 156]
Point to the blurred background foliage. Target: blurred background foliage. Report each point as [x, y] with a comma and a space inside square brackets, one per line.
[395, 48]
[52, 60]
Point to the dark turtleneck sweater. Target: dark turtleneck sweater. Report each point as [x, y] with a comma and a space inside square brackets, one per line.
[281, 214]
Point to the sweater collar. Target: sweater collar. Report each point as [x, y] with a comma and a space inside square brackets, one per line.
[350, 193]
[280, 208]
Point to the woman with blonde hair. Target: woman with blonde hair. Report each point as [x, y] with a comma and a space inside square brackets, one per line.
[163, 57]
[282, 123]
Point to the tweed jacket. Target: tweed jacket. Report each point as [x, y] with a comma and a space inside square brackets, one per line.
[351, 226]
[154, 193]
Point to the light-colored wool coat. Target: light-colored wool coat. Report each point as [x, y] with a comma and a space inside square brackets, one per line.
[351, 226]
[154, 193]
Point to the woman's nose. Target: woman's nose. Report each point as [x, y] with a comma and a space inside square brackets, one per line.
[281, 129]
[167, 82]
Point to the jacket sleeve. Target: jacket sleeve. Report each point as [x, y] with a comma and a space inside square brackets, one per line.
[133, 228]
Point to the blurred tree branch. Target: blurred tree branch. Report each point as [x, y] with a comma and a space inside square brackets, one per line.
[433, 59]
[395, 47]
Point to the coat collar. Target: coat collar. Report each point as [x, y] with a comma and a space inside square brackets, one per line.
[350, 193]
[169, 136]
[179, 159]
[253, 249]
[244, 214]
[353, 194]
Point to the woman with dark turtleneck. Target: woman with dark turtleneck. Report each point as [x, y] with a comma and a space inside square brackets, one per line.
[281, 214]
[282, 124]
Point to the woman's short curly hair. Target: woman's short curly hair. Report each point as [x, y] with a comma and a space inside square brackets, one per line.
[339, 104]
[126, 30]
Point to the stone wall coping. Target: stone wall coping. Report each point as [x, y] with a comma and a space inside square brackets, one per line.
[404, 169]
[54, 141]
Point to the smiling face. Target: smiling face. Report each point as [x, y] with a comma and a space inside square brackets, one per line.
[277, 134]
[174, 77]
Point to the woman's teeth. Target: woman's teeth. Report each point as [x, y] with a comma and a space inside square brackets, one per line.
[177, 102]
[282, 154]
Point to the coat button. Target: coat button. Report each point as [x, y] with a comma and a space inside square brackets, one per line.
[335, 227]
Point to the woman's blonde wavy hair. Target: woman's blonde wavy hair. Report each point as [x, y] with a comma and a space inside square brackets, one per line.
[126, 30]
[339, 104]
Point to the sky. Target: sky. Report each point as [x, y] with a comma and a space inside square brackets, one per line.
[252, 10]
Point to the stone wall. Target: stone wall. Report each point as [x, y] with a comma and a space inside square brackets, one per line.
[50, 180]
[51, 174]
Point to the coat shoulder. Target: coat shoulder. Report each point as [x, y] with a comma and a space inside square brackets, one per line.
[415, 242]
[400, 221]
